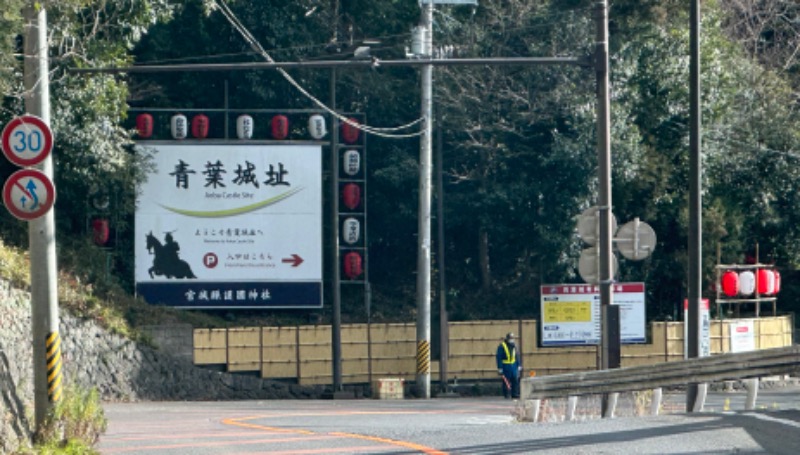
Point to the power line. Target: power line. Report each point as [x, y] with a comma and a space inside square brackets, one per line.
[253, 42]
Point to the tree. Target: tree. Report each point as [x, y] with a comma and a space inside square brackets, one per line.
[90, 154]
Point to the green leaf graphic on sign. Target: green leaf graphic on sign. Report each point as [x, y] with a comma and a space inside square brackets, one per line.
[234, 211]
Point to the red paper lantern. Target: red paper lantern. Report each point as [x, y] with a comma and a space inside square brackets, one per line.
[777, 281]
[100, 231]
[730, 283]
[350, 132]
[144, 125]
[351, 196]
[200, 126]
[352, 265]
[280, 127]
[766, 281]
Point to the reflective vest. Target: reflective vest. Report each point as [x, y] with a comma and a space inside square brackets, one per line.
[511, 356]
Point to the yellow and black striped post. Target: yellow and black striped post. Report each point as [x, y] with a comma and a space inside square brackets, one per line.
[423, 357]
[53, 357]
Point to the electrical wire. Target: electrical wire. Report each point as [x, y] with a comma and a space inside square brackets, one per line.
[256, 46]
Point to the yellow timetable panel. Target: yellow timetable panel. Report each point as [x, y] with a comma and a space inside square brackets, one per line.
[555, 312]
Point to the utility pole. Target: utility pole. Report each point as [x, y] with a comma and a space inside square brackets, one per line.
[423, 378]
[41, 231]
[336, 327]
[444, 329]
[695, 395]
[609, 339]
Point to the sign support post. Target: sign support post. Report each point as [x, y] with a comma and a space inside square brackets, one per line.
[41, 231]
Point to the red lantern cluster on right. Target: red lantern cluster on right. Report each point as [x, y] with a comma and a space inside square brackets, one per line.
[765, 282]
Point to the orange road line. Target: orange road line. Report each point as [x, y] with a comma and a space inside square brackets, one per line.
[409, 445]
[144, 449]
[174, 436]
[406, 444]
[353, 449]
[236, 422]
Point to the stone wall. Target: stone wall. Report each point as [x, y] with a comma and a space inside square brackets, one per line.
[119, 368]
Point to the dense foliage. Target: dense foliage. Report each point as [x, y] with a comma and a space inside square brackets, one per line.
[518, 143]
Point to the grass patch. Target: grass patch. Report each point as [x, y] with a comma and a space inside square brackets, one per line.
[73, 426]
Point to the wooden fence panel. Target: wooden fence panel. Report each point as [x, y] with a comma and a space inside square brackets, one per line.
[674, 337]
[305, 353]
[394, 351]
[244, 349]
[355, 353]
[279, 352]
[316, 364]
[565, 360]
[210, 347]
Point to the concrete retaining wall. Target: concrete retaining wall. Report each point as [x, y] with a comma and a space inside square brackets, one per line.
[119, 368]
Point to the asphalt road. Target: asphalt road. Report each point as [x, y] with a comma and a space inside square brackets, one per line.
[449, 426]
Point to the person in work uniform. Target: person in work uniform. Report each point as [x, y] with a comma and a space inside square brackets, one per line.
[509, 366]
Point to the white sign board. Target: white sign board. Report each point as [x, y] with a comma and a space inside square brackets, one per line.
[742, 336]
[704, 348]
[571, 313]
[231, 226]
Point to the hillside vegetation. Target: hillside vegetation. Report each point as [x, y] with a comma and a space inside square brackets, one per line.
[518, 143]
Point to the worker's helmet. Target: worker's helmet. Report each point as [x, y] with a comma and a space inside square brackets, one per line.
[510, 336]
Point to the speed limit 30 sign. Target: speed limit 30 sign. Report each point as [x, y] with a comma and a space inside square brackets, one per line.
[27, 140]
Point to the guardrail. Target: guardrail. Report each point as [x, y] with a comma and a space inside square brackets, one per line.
[725, 367]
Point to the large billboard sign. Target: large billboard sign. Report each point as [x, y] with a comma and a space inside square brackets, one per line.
[231, 226]
[571, 313]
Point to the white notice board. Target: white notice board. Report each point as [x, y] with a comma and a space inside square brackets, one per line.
[571, 313]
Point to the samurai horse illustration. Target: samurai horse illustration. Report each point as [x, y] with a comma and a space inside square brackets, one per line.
[166, 261]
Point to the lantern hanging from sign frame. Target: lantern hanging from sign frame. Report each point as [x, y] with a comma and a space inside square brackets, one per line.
[244, 126]
[351, 231]
[316, 126]
[351, 196]
[144, 125]
[280, 127]
[353, 267]
[351, 162]
[100, 231]
[350, 131]
[777, 281]
[178, 126]
[730, 283]
[200, 126]
[747, 282]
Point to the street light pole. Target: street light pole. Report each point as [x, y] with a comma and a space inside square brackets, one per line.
[423, 378]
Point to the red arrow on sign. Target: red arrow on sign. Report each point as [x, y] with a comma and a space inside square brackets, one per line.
[295, 260]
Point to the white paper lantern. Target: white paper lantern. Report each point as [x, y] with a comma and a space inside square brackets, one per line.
[316, 126]
[351, 231]
[747, 283]
[351, 162]
[179, 126]
[244, 127]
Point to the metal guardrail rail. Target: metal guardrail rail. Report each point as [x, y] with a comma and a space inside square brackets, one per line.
[725, 367]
